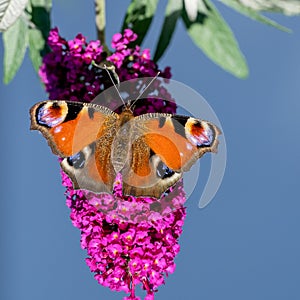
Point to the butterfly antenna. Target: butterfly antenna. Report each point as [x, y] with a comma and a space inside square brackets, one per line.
[143, 91]
[111, 68]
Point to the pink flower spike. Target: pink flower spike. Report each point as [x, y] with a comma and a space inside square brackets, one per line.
[129, 241]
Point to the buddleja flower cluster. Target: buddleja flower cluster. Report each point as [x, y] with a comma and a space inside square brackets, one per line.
[68, 72]
[129, 241]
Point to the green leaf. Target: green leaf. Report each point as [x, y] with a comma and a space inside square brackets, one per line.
[287, 7]
[10, 11]
[251, 13]
[212, 34]
[15, 41]
[36, 47]
[173, 12]
[139, 16]
[39, 14]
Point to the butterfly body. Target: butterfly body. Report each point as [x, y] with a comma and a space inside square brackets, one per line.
[151, 151]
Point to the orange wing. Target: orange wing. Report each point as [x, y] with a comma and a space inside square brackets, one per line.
[82, 134]
[164, 146]
[70, 126]
[179, 140]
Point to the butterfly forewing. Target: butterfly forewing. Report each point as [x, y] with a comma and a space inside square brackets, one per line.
[70, 126]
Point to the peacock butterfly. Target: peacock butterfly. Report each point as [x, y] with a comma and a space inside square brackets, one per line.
[151, 151]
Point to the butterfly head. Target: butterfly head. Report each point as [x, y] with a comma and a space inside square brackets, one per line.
[127, 113]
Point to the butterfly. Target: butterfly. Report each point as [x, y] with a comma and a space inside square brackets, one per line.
[151, 151]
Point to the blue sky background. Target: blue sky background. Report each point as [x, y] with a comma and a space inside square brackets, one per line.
[244, 245]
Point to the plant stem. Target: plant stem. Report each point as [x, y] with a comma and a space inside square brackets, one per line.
[100, 21]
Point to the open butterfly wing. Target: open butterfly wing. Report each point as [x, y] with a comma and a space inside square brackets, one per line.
[163, 146]
[70, 126]
[82, 134]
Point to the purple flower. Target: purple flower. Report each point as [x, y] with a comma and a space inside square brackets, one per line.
[145, 54]
[129, 240]
[77, 44]
[116, 59]
[116, 39]
[129, 36]
[147, 248]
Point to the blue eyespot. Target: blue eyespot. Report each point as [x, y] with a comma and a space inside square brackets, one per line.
[77, 160]
[163, 171]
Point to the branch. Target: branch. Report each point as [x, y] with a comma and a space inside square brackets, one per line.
[100, 21]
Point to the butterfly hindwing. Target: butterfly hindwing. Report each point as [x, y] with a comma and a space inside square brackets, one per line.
[145, 174]
[91, 168]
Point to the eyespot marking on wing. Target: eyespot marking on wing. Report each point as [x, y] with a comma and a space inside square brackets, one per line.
[77, 160]
[200, 133]
[51, 114]
[163, 171]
